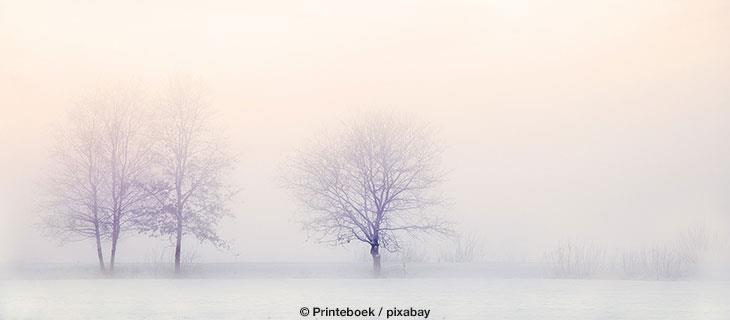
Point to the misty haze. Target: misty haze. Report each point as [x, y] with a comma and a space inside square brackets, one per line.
[501, 159]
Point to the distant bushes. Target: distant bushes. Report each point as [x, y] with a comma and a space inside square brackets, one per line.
[574, 260]
[675, 259]
[695, 252]
[680, 258]
[659, 262]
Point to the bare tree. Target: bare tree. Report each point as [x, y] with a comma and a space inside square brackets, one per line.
[192, 163]
[128, 158]
[75, 182]
[372, 181]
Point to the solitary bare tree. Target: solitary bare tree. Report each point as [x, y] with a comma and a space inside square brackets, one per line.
[75, 183]
[371, 182]
[192, 163]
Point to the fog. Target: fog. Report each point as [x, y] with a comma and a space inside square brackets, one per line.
[563, 120]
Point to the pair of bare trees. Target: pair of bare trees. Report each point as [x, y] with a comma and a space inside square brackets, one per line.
[99, 159]
[117, 166]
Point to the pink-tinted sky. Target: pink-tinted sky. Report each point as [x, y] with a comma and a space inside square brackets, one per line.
[599, 120]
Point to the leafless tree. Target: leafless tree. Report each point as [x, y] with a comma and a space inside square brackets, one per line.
[192, 163]
[370, 182]
[75, 182]
[127, 156]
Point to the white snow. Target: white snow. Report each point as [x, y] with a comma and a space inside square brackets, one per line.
[282, 298]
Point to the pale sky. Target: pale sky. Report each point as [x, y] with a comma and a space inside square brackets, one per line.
[607, 121]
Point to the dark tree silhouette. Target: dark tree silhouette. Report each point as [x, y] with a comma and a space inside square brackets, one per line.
[370, 182]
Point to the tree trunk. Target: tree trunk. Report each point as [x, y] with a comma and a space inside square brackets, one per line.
[115, 237]
[376, 259]
[178, 245]
[99, 252]
[97, 232]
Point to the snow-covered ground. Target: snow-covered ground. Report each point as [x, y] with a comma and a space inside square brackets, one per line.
[457, 298]
[297, 270]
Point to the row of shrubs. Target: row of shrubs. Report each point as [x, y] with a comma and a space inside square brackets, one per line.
[680, 258]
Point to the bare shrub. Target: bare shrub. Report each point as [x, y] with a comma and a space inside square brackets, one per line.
[574, 260]
[676, 259]
[635, 263]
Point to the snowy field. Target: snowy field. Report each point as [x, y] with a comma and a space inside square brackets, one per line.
[457, 298]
